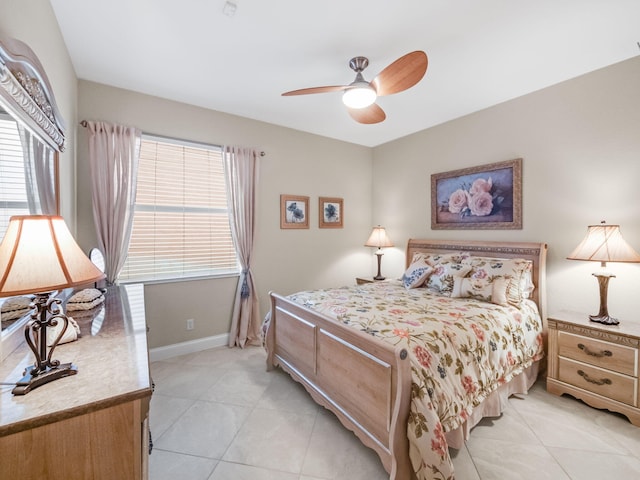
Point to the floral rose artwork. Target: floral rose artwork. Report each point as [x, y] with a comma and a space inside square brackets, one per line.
[481, 185]
[486, 196]
[458, 201]
[481, 204]
[479, 199]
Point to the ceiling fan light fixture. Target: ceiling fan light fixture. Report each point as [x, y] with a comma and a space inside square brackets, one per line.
[359, 96]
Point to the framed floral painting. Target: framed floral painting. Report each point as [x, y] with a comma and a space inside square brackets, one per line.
[294, 211]
[485, 197]
[330, 212]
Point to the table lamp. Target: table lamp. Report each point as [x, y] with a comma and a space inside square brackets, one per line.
[604, 243]
[378, 238]
[38, 256]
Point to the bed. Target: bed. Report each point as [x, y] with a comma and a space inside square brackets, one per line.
[378, 355]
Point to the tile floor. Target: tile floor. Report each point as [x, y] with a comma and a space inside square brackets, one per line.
[218, 415]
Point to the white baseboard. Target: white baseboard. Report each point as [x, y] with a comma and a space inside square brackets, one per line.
[191, 346]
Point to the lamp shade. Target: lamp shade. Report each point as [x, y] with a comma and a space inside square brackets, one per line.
[39, 254]
[604, 243]
[378, 238]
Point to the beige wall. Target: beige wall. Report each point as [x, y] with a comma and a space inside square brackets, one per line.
[284, 260]
[33, 22]
[580, 144]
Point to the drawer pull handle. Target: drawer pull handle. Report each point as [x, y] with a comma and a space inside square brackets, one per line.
[604, 381]
[603, 353]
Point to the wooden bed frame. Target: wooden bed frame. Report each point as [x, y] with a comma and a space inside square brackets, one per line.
[363, 380]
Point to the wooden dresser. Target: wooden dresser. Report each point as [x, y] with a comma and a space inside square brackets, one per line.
[596, 363]
[92, 425]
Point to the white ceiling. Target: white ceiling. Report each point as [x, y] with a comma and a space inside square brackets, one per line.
[481, 52]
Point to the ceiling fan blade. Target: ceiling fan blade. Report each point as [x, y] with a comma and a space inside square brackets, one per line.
[307, 91]
[368, 115]
[402, 74]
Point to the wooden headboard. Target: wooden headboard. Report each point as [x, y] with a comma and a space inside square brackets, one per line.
[536, 252]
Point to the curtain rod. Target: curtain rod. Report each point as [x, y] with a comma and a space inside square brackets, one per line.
[84, 123]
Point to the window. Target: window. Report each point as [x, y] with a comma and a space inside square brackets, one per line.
[180, 224]
[13, 190]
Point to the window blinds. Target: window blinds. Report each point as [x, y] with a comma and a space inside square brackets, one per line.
[13, 191]
[181, 224]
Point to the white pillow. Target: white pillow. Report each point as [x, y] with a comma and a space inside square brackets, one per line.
[71, 333]
[15, 307]
[85, 299]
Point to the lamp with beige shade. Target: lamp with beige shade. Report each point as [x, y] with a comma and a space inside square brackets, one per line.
[379, 239]
[38, 256]
[604, 243]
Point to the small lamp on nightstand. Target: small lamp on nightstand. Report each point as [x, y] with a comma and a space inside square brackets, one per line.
[38, 256]
[378, 238]
[604, 243]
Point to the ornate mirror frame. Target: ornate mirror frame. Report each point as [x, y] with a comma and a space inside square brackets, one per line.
[26, 94]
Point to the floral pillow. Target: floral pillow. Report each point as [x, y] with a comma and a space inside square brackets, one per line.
[436, 258]
[417, 272]
[448, 267]
[514, 274]
[469, 287]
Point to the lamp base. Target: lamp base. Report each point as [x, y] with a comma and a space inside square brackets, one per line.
[603, 314]
[379, 275]
[30, 381]
[606, 319]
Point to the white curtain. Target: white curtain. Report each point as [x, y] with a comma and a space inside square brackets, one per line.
[240, 166]
[114, 151]
[39, 174]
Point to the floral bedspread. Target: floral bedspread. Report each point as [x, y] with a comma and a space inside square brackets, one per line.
[460, 349]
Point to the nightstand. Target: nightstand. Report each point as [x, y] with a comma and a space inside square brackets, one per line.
[596, 363]
[362, 281]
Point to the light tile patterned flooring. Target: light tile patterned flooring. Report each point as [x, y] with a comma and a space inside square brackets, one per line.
[218, 415]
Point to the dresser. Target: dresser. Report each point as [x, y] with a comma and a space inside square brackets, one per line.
[596, 363]
[88, 426]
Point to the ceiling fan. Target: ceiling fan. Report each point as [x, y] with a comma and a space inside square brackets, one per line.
[360, 96]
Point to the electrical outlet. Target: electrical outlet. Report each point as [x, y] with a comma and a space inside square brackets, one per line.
[190, 323]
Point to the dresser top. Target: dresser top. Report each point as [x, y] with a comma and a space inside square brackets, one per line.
[111, 357]
[625, 327]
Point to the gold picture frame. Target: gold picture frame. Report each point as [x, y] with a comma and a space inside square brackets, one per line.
[330, 212]
[487, 197]
[294, 211]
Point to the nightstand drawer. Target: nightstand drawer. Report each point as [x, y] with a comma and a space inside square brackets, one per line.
[618, 358]
[597, 380]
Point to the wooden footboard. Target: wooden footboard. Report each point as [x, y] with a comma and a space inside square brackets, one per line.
[365, 382]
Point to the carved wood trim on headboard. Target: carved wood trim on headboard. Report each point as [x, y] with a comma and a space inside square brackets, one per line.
[26, 92]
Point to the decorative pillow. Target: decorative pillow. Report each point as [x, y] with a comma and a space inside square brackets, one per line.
[417, 273]
[516, 272]
[435, 258]
[469, 287]
[85, 299]
[15, 307]
[442, 279]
